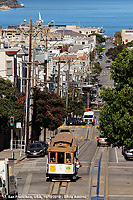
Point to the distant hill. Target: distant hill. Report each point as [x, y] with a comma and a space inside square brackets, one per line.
[10, 3]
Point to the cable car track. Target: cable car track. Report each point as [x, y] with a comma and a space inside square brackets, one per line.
[84, 143]
[97, 187]
[58, 189]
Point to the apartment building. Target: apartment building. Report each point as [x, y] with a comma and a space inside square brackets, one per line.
[12, 66]
[127, 35]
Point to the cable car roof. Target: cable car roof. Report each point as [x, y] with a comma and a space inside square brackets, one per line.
[59, 143]
[62, 137]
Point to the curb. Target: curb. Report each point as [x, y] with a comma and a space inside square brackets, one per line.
[18, 161]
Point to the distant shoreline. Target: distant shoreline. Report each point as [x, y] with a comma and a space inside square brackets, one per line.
[11, 3]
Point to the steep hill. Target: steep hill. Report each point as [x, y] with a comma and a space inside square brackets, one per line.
[10, 3]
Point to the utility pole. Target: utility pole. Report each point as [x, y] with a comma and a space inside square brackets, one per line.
[28, 90]
[58, 83]
[67, 84]
[11, 125]
[45, 75]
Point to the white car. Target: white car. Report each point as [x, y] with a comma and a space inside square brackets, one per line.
[102, 141]
[128, 153]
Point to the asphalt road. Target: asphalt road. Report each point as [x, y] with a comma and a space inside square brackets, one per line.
[104, 77]
[119, 183]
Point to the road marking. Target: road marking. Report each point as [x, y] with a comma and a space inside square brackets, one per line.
[116, 155]
[96, 181]
[27, 184]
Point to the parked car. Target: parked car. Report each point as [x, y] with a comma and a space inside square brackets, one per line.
[102, 140]
[124, 148]
[45, 145]
[128, 152]
[108, 67]
[65, 130]
[35, 149]
[72, 121]
[80, 121]
[108, 61]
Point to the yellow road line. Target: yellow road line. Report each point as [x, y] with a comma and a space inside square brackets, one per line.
[96, 181]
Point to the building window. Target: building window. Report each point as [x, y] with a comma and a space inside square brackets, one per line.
[9, 67]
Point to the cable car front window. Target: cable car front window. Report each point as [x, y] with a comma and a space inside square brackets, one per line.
[60, 157]
[68, 157]
[52, 157]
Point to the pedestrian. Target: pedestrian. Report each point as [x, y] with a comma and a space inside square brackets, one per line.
[77, 166]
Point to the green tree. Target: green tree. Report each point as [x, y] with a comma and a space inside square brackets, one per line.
[97, 68]
[116, 118]
[99, 49]
[129, 44]
[113, 52]
[99, 38]
[8, 107]
[8, 102]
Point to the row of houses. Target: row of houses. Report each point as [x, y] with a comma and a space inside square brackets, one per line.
[56, 57]
[51, 46]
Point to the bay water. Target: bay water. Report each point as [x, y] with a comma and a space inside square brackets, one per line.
[112, 15]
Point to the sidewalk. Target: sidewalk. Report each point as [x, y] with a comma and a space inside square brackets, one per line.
[6, 153]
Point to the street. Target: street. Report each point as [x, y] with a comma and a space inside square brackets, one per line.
[104, 173]
[105, 74]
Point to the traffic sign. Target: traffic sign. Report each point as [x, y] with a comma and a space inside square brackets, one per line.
[18, 124]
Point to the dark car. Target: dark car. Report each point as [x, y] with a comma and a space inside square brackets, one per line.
[65, 130]
[108, 67]
[81, 121]
[45, 145]
[35, 150]
[72, 121]
[108, 61]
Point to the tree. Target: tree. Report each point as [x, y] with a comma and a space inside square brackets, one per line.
[97, 68]
[99, 38]
[99, 49]
[8, 107]
[49, 111]
[118, 38]
[8, 102]
[122, 69]
[75, 102]
[113, 52]
[116, 118]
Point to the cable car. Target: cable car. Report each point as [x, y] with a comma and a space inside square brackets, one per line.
[62, 153]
